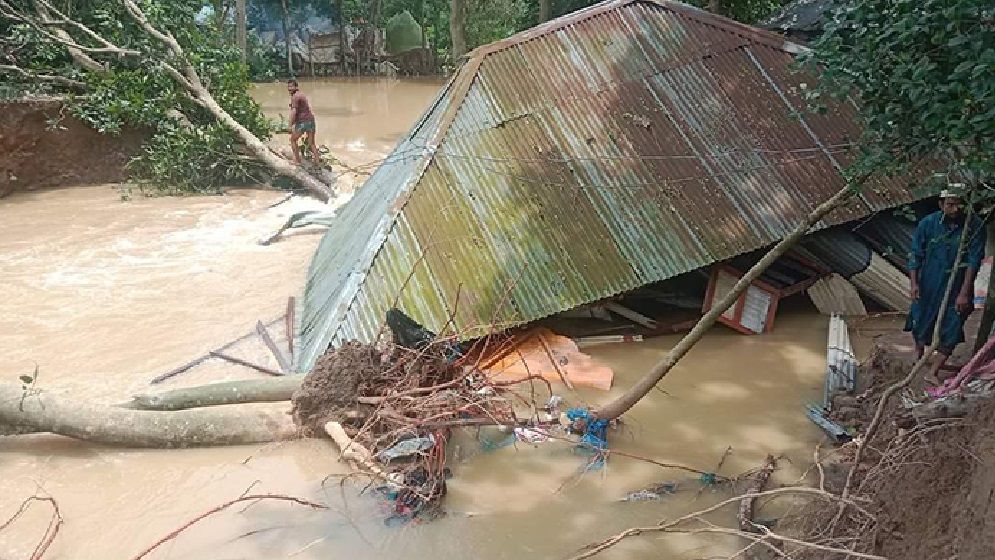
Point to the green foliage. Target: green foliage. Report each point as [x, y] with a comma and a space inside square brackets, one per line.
[27, 387]
[922, 73]
[432, 15]
[746, 11]
[265, 63]
[193, 153]
[202, 160]
[491, 20]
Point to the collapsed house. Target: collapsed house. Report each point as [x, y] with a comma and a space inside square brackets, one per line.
[616, 147]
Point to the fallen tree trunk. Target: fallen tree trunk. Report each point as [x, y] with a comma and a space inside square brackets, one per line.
[41, 411]
[230, 392]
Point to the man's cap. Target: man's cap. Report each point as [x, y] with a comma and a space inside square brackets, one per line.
[954, 190]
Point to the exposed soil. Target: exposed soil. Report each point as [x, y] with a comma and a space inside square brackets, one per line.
[42, 147]
[331, 388]
[930, 487]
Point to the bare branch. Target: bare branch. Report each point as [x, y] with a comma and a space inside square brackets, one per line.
[54, 524]
[216, 509]
[769, 535]
[665, 525]
[66, 20]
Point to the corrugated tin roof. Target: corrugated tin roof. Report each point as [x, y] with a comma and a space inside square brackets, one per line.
[618, 146]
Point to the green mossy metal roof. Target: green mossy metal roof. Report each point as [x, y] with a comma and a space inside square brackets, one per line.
[615, 147]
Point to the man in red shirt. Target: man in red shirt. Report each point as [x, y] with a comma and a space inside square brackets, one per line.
[301, 121]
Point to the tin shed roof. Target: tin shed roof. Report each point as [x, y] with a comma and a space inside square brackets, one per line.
[611, 148]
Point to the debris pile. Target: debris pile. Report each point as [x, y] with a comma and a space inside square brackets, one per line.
[398, 405]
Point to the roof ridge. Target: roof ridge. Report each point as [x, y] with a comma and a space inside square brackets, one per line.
[764, 36]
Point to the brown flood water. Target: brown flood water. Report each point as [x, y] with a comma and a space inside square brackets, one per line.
[359, 119]
[103, 295]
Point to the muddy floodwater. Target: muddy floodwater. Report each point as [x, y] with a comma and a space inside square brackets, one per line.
[102, 295]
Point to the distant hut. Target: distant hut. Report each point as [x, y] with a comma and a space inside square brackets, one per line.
[801, 20]
[405, 45]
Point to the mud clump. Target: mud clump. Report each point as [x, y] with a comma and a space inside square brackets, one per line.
[342, 376]
[332, 388]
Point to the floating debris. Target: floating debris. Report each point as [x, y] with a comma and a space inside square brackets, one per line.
[654, 492]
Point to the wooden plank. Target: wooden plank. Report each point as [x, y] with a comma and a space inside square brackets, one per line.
[290, 320]
[246, 363]
[630, 314]
[273, 348]
[197, 361]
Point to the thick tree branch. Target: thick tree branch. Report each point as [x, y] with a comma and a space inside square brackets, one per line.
[166, 38]
[79, 53]
[66, 20]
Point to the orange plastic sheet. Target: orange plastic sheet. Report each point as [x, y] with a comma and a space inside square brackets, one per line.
[542, 352]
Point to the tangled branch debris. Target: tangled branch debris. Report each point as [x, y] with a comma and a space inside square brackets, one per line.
[395, 406]
[678, 525]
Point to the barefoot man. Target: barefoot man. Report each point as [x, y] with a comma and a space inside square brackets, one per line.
[934, 248]
[301, 121]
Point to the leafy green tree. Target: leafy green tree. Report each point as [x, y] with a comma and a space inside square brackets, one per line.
[922, 74]
[149, 65]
